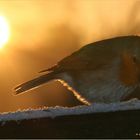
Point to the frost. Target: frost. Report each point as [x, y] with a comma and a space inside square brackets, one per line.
[63, 111]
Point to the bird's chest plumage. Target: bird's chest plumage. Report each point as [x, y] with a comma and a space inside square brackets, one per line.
[101, 85]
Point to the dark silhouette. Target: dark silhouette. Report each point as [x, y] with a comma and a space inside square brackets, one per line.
[104, 71]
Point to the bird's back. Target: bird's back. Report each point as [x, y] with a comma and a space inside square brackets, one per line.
[97, 53]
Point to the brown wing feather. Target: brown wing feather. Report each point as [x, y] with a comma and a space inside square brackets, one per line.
[94, 55]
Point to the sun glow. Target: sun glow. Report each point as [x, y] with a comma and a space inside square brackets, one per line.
[4, 31]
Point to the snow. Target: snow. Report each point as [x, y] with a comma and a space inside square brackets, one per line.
[53, 112]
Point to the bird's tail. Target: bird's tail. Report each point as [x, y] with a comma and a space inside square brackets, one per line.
[34, 83]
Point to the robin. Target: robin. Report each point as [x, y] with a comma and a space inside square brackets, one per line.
[104, 71]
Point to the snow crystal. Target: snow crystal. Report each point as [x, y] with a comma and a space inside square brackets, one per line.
[61, 111]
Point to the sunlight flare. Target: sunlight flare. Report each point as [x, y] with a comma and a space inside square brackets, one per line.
[4, 31]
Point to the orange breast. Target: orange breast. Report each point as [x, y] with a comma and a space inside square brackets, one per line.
[128, 70]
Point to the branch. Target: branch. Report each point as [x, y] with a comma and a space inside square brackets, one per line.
[115, 120]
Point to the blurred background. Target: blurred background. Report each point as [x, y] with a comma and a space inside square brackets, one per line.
[39, 33]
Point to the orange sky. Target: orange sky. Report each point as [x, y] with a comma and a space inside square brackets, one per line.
[45, 31]
[91, 19]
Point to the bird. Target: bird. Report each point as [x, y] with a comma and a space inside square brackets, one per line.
[104, 71]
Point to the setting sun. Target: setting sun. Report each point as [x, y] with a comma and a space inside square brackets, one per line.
[4, 31]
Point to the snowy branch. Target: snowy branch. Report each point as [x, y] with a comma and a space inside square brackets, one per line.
[114, 120]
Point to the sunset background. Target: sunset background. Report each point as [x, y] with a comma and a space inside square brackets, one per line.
[42, 32]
